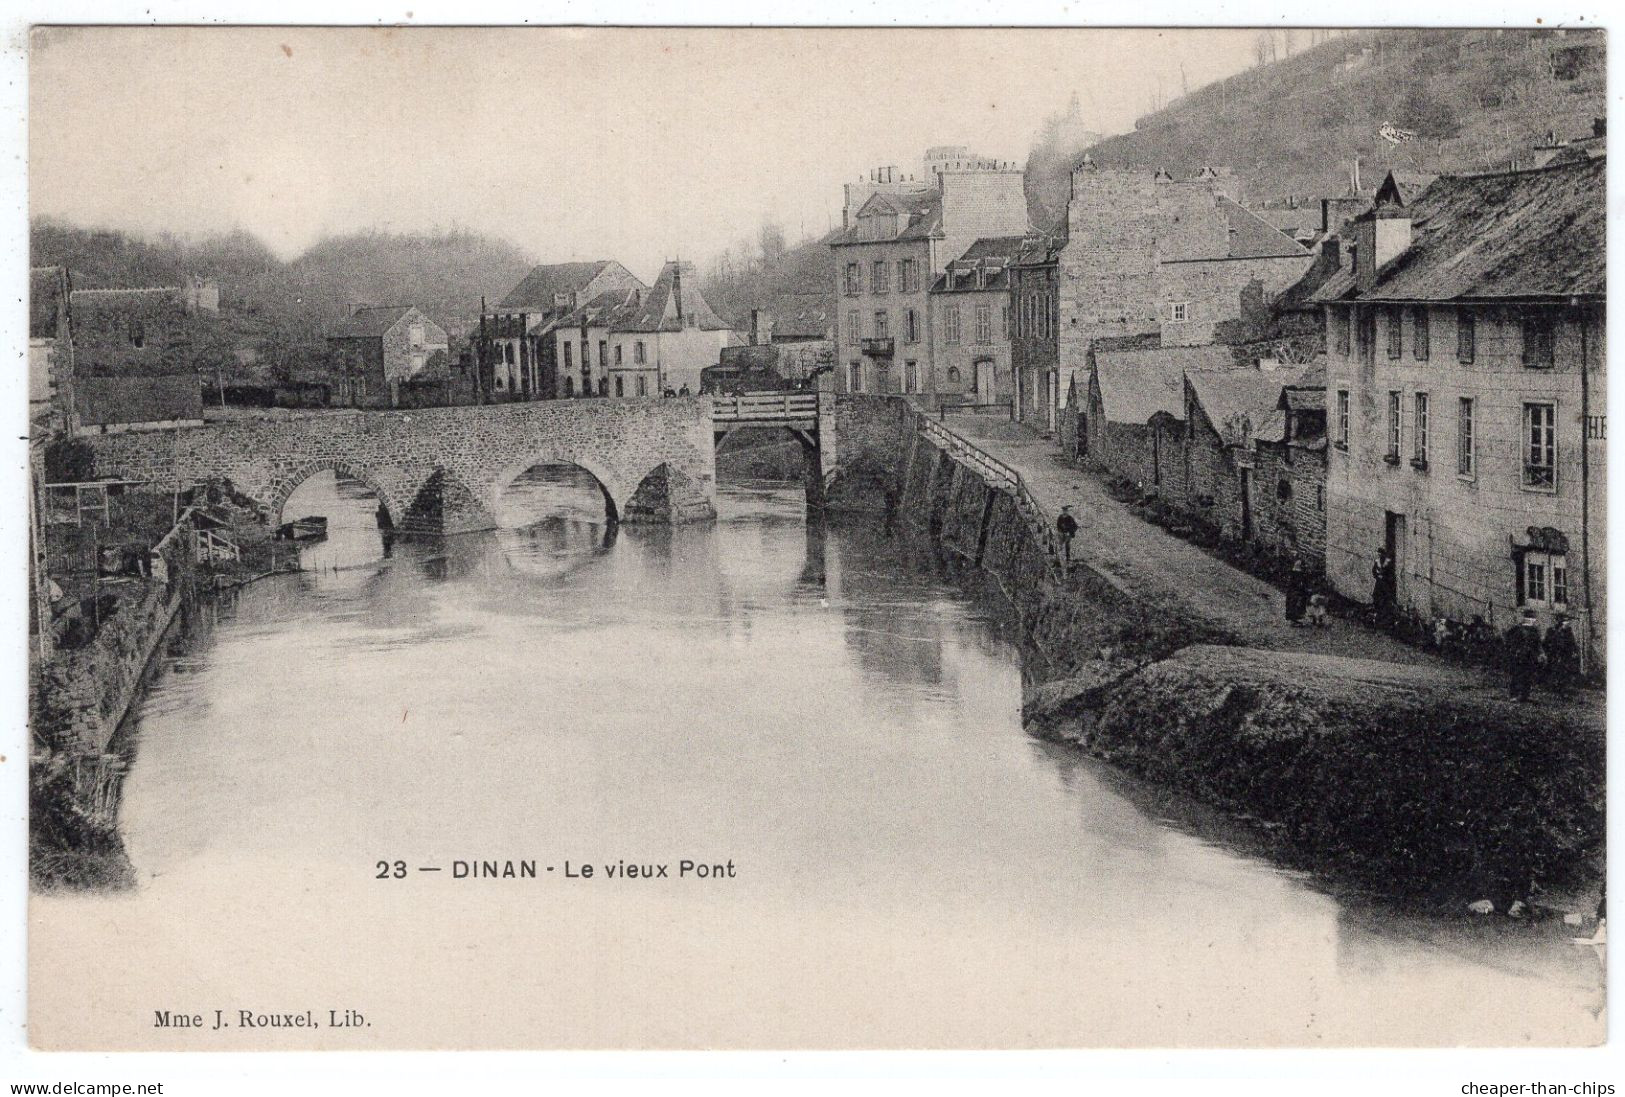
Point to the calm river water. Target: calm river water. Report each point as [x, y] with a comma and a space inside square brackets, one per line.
[910, 868]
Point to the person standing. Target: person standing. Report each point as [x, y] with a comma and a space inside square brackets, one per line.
[1383, 587]
[1297, 592]
[1067, 527]
[1562, 652]
[1521, 648]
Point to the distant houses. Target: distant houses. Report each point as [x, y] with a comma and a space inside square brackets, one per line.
[517, 346]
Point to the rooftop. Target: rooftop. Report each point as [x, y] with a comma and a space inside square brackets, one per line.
[1138, 382]
[369, 322]
[538, 288]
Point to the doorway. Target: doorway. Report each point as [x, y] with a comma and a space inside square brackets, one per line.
[984, 380]
[1394, 541]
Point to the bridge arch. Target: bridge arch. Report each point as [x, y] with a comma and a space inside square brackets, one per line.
[614, 493]
[282, 490]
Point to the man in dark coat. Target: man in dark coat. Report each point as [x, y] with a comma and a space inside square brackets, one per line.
[1297, 592]
[1067, 527]
[1521, 648]
[1383, 586]
[1562, 653]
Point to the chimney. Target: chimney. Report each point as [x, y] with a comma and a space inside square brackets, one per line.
[755, 327]
[677, 288]
[1383, 232]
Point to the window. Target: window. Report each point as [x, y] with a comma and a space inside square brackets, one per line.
[569, 356]
[637, 353]
[1537, 340]
[882, 325]
[1396, 333]
[1340, 322]
[1179, 311]
[618, 349]
[950, 324]
[1419, 334]
[603, 353]
[138, 332]
[911, 276]
[1365, 331]
[1342, 419]
[414, 335]
[881, 281]
[1466, 458]
[1544, 579]
[1320, 497]
[953, 375]
[1419, 432]
[1597, 427]
[1029, 325]
[984, 324]
[620, 386]
[569, 385]
[1004, 321]
[1466, 336]
[507, 353]
[1046, 315]
[1393, 427]
[911, 376]
[853, 332]
[643, 385]
[854, 376]
[1540, 446]
[911, 326]
[854, 279]
[603, 386]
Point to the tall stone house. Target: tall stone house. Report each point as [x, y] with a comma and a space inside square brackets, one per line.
[641, 342]
[519, 350]
[970, 324]
[1146, 253]
[377, 348]
[1466, 405]
[1035, 327]
[891, 250]
[132, 359]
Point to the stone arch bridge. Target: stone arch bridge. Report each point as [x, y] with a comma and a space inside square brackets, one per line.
[443, 470]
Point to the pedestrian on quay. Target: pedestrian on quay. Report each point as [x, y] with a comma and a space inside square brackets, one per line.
[1298, 585]
[1562, 654]
[1522, 650]
[1067, 527]
[1383, 586]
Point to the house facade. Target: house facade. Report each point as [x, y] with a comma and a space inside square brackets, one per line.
[520, 350]
[1035, 330]
[970, 324]
[1466, 354]
[376, 349]
[890, 253]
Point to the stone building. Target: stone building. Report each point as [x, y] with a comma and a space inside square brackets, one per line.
[377, 348]
[890, 252]
[970, 324]
[1035, 328]
[51, 408]
[520, 350]
[641, 342]
[1130, 420]
[1290, 470]
[132, 359]
[1231, 416]
[1146, 253]
[1466, 404]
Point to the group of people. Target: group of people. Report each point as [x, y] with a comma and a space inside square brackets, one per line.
[1530, 656]
[1305, 601]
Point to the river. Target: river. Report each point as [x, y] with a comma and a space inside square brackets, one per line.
[807, 705]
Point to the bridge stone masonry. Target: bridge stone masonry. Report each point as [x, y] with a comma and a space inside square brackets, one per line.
[443, 470]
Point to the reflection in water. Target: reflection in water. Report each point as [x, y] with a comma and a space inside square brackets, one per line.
[805, 702]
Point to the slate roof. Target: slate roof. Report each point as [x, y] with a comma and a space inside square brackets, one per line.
[918, 213]
[1252, 237]
[652, 312]
[369, 323]
[1225, 395]
[992, 254]
[1137, 383]
[537, 289]
[1506, 235]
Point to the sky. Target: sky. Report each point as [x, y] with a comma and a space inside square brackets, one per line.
[635, 144]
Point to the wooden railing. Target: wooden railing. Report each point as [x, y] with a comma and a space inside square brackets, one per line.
[764, 407]
[1002, 477]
